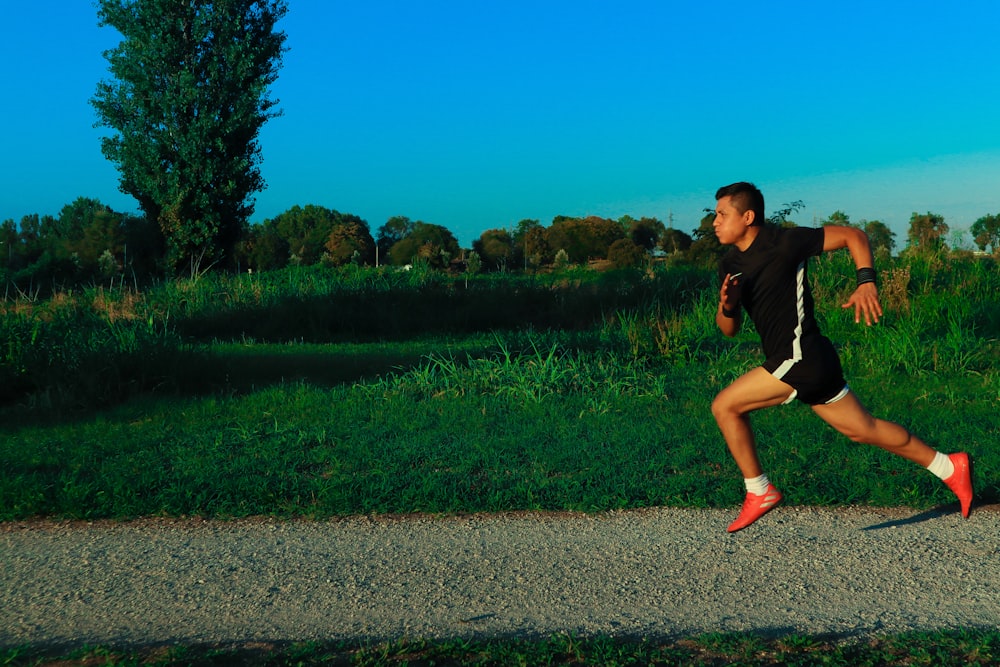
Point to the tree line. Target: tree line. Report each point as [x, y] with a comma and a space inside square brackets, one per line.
[89, 243]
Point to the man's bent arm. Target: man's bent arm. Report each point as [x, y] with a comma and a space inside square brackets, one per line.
[855, 240]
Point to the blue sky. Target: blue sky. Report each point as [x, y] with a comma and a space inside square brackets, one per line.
[475, 115]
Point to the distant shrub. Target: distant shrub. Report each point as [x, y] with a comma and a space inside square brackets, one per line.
[625, 254]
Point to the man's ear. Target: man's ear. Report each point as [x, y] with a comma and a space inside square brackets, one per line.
[748, 216]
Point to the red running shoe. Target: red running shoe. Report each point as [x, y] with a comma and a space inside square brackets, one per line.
[754, 507]
[960, 481]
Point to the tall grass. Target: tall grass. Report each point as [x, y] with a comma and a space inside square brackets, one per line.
[68, 355]
[97, 346]
[532, 375]
[940, 316]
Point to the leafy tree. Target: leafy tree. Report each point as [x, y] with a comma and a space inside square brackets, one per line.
[350, 241]
[626, 253]
[306, 230]
[880, 236]
[494, 248]
[565, 235]
[473, 264]
[561, 259]
[524, 231]
[10, 248]
[781, 216]
[87, 240]
[60, 237]
[705, 250]
[583, 238]
[645, 232]
[838, 218]
[536, 247]
[102, 248]
[986, 232]
[430, 243]
[30, 246]
[186, 104]
[263, 248]
[927, 233]
[524, 226]
[68, 248]
[705, 226]
[626, 222]
[674, 241]
[86, 230]
[31, 233]
[395, 229]
[603, 233]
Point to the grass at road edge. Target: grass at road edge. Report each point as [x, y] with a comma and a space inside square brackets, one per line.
[939, 648]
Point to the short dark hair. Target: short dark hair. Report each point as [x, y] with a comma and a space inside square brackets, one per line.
[745, 197]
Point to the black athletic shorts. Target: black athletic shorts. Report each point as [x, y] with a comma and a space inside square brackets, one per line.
[816, 377]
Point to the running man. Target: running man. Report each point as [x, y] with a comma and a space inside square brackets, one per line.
[764, 275]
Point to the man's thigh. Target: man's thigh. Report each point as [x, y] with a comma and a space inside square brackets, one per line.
[754, 390]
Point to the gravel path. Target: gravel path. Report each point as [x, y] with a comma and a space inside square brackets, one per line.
[656, 573]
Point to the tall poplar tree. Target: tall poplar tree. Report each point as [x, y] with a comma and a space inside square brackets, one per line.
[189, 95]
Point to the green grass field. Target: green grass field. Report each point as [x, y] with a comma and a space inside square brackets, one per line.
[291, 396]
[130, 418]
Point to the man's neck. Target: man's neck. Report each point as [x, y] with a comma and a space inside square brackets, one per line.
[748, 238]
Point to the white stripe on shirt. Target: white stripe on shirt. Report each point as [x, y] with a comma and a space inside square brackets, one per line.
[800, 309]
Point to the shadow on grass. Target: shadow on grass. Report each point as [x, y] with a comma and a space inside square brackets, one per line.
[241, 371]
[236, 369]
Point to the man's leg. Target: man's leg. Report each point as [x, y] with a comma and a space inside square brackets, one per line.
[849, 417]
[755, 390]
[732, 407]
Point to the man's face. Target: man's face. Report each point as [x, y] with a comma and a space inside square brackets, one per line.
[730, 225]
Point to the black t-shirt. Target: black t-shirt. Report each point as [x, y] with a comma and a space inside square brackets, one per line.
[776, 294]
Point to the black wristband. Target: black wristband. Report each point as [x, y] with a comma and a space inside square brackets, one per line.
[731, 314]
[866, 275]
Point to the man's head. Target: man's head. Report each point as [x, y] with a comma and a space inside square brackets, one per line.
[744, 197]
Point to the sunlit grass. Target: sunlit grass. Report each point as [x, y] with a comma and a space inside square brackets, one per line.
[545, 428]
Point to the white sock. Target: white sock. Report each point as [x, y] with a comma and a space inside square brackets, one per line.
[757, 485]
[942, 466]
